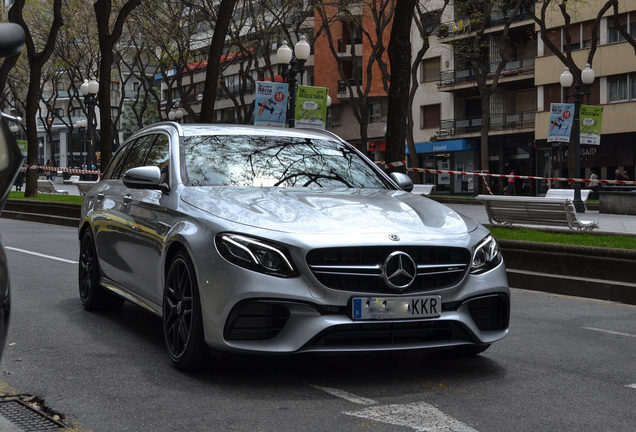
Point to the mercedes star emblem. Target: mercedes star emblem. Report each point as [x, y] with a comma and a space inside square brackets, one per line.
[399, 270]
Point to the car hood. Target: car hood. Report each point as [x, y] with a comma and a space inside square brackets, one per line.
[336, 211]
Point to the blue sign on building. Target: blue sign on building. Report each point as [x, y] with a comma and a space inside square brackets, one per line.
[445, 146]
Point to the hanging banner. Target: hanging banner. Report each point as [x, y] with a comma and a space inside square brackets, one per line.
[271, 104]
[24, 146]
[561, 118]
[591, 118]
[311, 107]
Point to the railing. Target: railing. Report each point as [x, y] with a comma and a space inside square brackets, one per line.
[343, 89]
[462, 25]
[519, 120]
[459, 76]
[344, 43]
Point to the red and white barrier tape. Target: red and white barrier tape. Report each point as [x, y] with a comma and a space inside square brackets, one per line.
[56, 169]
[485, 174]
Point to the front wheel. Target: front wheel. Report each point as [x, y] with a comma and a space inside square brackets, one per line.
[92, 295]
[182, 317]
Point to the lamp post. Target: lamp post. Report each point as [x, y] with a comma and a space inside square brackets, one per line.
[81, 127]
[89, 90]
[586, 78]
[296, 59]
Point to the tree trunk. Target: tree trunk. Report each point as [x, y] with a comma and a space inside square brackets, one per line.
[214, 56]
[400, 60]
[107, 41]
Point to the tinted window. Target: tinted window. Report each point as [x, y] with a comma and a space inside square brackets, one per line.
[159, 156]
[137, 154]
[274, 161]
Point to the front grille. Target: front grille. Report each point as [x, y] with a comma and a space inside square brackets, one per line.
[490, 313]
[359, 269]
[255, 321]
[387, 334]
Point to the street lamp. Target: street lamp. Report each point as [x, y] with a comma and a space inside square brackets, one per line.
[175, 114]
[585, 78]
[296, 59]
[89, 90]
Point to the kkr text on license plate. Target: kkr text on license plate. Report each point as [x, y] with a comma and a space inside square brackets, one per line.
[397, 308]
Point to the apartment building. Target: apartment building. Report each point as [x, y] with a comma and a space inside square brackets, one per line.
[614, 88]
[449, 101]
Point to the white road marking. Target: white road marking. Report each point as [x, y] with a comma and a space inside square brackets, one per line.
[41, 255]
[345, 395]
[419, 416]
[631, 386]
[610, 332]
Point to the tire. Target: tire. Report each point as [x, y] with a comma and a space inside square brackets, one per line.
[92, 295]
[182, 317]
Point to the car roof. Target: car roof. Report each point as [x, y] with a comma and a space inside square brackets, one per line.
[199, 129]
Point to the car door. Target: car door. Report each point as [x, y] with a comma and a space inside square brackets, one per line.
[105, 214]
[143, 210]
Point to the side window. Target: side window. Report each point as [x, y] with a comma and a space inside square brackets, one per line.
[116, 162]
[136, 156]
[159, 156]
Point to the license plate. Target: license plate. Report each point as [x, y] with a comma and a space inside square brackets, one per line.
[387, 308]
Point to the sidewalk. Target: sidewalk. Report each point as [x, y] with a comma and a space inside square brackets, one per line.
[608, 223]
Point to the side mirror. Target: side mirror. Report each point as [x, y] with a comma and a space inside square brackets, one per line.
[146, 177]
[403, 181]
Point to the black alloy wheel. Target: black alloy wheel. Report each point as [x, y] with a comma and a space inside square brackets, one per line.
[92, 294]
[182, 317]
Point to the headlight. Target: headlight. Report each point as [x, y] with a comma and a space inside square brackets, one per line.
[255, 254]
[486, 256]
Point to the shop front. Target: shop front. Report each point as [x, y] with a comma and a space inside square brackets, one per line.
[454, 155]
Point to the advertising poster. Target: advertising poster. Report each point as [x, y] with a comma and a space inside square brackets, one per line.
[591, 118]
[271, 104]
[561, 118]
[24, 146]
[311, 107]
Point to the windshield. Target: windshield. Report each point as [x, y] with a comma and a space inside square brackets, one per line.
[272, 161]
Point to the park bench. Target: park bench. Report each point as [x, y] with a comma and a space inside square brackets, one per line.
[84, 186]
[72, 179]
[508, 210]
[567, 193]
[423, 189]
[48, 187]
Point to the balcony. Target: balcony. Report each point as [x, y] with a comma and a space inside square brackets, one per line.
[344, 48]
[515, 122]
[462, 26]
[343, 89]
[518, 68]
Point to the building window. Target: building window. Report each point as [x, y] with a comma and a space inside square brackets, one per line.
[375, 112]
[617, 91]
[626, 22]
[430, 116]
[430, 70]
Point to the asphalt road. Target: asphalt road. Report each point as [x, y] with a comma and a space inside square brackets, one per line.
[567, 365]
